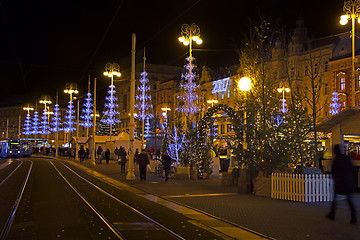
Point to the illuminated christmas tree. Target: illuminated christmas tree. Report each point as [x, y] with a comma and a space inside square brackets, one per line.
[189, 87]
[175, 143]
[44, 122]
[70, 118]
[87, 111]
[111, 106]
[143, 104]
[35, 123]
[55, 120]
[27, 124]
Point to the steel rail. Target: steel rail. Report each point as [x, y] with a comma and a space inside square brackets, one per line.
[10, 220]
[11, 173]
[97, 212]
[128, 206]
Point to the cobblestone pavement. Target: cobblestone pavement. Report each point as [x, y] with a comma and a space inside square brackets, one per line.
[278, 219]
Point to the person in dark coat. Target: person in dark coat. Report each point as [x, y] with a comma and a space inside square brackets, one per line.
[81, 154]
[107, 156]
[343, 174]
[143, 162]
[122, 153]
[98, 152]
[166, 162]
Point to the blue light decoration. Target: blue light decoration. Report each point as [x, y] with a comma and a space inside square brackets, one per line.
[35, 123]
[283, 109]
[44, 122]
[55, 120]
[189, 96]
[27, 124]
[147, 127]
[175, 144]
[111, 107]
[335, 105]
[87, 111]
[70, 118]
[143, 104]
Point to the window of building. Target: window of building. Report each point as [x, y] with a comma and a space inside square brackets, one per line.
[229, 128]
[326, 66]
[222, 129]
[222, 96]
[326, 89]
[228, 93]
[342, 83]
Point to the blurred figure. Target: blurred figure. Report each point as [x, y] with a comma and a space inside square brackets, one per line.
[143, 162]
[166, 162]
[107, 156]
[344, 182]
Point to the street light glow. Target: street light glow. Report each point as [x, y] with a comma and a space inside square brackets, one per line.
[244, 84]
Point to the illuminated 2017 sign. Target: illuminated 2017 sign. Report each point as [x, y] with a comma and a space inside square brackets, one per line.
[220, 85]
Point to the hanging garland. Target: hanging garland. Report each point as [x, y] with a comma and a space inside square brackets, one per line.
[204, 163]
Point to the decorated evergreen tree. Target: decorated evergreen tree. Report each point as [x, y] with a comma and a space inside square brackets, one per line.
[143, 104]
[103, 129]
[35, 123]
[56, 120]
[110, 112]
[27, 124]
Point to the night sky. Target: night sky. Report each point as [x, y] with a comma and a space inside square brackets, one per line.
[45, 44]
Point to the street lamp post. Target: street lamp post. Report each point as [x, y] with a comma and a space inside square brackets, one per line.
[245, 86]
[188, 35]
[111, 70]
[71, 88]
[352, 10]
[212, 101]
[283, 105]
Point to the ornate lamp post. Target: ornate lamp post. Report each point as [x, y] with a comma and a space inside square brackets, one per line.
[283, 100]
[352, 10]
[71, 88]
[111, 70]
[212, 101]
[244, 85]
[188, 35]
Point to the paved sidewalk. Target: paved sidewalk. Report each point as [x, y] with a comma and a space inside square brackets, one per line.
[278, 219]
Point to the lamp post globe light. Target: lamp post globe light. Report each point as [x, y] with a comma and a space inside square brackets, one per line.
[111, 70]
[71, 89]
[244, 85]
[352, 11]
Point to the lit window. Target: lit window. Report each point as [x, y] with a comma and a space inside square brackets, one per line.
[222, 96]
[228, 93]
[342, 83]
[359, 81]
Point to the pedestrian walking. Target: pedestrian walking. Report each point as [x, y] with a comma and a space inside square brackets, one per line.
[151, 152]
[107, 156]
[122, 153]
[166, 162]
[143, 162]
[344, 182]
[98, 152]
[136, 156]
[81, 154]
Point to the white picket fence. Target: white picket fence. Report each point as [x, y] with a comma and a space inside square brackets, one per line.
[302, 187]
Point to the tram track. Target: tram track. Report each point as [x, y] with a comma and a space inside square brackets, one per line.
[122, 227]
[9, 175]
[10, 219]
